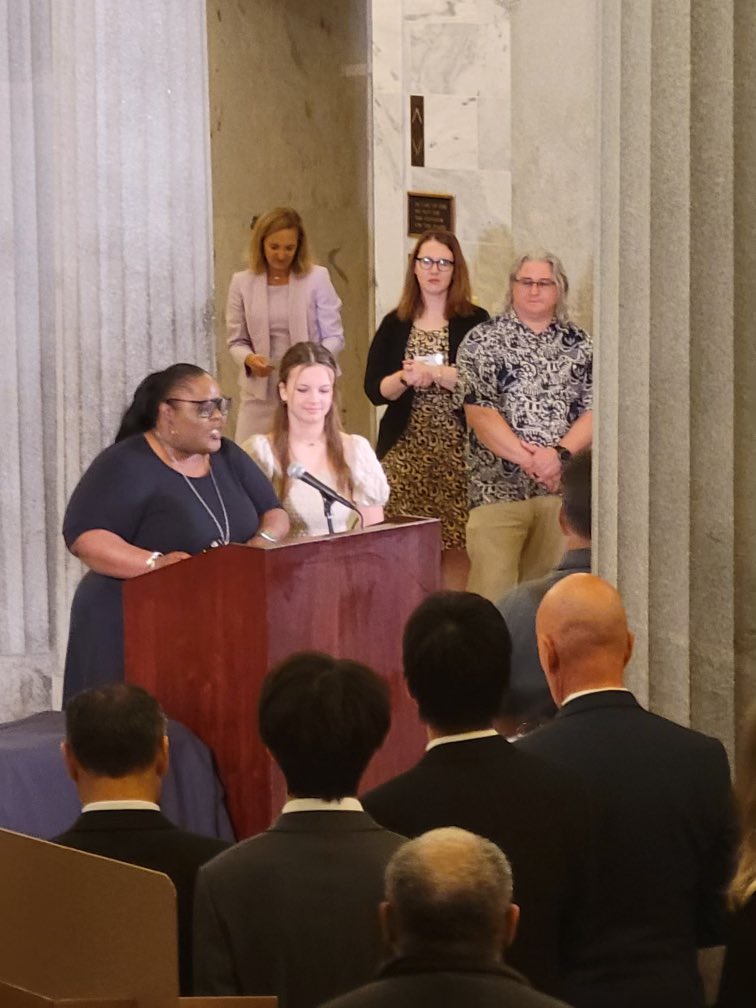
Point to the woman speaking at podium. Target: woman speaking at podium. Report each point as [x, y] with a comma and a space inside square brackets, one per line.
[169, 487]
[307, 431]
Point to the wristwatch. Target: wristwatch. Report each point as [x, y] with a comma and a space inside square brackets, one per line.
[564, 453]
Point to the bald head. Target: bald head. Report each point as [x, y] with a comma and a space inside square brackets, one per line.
[450, 891]
[583, 637]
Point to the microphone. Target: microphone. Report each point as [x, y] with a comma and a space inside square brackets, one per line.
[297, 471]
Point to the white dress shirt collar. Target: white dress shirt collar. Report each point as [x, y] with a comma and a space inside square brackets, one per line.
[462, 737]
[120, 805]
[320, 805]
[586, 692]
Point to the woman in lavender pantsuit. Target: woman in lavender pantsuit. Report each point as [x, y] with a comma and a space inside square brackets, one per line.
[282, 299]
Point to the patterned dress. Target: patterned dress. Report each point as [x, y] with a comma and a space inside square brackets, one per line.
[426, 467]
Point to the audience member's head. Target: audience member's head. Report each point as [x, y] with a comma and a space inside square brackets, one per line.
[449, 896]
[583, 638]
[743, 885]
[322, 718]
[116, 742]
[575, 516]
[456, 661]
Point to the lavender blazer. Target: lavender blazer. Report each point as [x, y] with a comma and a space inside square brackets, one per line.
[314, 314]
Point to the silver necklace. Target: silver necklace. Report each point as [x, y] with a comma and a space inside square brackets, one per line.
[225, 532]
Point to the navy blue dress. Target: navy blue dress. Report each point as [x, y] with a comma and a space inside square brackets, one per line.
[129, 491]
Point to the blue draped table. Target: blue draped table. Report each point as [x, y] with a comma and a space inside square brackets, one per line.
[38, 798]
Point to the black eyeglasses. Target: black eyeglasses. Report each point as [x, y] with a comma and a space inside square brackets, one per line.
[426, 263]
[529, 284]
[206, 407]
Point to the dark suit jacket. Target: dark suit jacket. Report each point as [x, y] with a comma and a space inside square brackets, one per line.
[146, 838]
[528, 697]
[537, 815]
[413, 983]
[385, 357]
[738, 986]
[294, 911]
[665, 831]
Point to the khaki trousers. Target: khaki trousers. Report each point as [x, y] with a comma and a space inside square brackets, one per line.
[512, 541]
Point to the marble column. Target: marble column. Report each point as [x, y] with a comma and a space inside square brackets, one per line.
[457, 56]
[106, 272]
[676, 202]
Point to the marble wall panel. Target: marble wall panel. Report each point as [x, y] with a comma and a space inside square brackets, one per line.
[451, 131]
[443, 58]
[554, 153]
[458, 11]
[386, 70]
[457, 55]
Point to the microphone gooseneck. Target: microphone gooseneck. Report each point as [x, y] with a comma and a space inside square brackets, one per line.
[297, 471]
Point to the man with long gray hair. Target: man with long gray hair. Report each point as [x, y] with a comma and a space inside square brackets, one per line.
[524, 379]
[448, 917]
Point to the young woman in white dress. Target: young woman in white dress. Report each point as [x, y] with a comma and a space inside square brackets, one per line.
[306, 429]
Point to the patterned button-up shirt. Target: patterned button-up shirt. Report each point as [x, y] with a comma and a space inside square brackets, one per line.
[540, 383]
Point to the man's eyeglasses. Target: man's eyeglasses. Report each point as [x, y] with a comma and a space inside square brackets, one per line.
[206, 407]
[529, 284]
[426, 263]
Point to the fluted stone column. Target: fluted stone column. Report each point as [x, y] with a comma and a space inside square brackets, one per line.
[676, 356]
[106, 272]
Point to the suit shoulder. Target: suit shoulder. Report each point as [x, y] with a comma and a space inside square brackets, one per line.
[203, 845]
[403, 782]
[242, 277]
[691, 739]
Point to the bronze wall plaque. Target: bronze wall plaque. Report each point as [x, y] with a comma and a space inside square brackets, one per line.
[417, 131]
[429, 212]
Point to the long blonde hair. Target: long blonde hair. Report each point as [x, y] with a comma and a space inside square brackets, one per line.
[305, 355]
[743, 884]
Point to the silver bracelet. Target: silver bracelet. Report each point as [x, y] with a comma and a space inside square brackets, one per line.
[267, 537]
[149, 563]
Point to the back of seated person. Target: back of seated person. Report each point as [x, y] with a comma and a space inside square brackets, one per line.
[528, 701]
[116, 752]
[292, 912]
[449, 919]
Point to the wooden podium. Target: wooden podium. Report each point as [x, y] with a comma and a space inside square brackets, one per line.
[201, 636]
[82, 931]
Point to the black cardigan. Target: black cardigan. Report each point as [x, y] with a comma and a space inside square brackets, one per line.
[385, 357]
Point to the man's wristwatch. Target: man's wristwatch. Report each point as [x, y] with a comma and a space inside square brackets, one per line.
[564, 453]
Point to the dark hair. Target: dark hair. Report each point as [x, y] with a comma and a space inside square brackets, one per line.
[114, 730]
[142, 414]
[450, 891]
[456, 654]
[458, 296]
[576, 493]
[323, 718]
